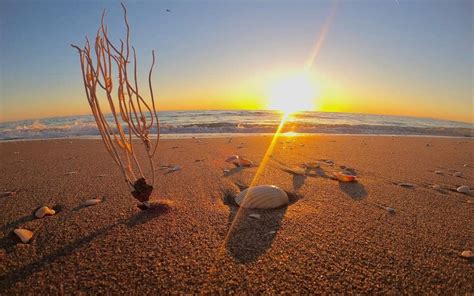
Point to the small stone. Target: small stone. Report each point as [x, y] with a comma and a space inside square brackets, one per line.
[467, 254]
[465, 165]
[44, 211]
[90, 202]
[463, 189]
[24, 234]
[255, 216]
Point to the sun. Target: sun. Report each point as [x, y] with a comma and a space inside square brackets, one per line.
[293, 93]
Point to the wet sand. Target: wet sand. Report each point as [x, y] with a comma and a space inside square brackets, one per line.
[333, 238]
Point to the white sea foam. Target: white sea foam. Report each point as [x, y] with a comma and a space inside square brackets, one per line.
[245, 122]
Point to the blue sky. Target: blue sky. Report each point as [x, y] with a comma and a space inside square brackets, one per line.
[396, 57]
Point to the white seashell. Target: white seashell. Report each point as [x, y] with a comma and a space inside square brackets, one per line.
[24, 234]
[91, 202]
[44, 211]
[262, 197]
[255, 216]
[467, 254]
[463, 189]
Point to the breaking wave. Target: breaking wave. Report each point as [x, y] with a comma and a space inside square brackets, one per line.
[248, 122]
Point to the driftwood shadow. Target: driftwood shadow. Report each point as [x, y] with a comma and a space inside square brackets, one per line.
[9, 279]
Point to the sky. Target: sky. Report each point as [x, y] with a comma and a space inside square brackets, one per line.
[400, 57]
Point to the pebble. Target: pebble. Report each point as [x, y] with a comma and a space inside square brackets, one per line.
[44, 211]
[24, 234]
[465, 165]
[463, 189]
[467, 254]
[91, 202]
[255, 216]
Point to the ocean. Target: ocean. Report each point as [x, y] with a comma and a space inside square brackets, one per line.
[243, 122]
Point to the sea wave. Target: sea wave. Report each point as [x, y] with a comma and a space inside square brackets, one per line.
[55, 128]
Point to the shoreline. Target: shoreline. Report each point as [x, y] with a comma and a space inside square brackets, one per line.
[239, 135]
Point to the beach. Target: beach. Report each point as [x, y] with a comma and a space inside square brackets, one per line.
[333, 238]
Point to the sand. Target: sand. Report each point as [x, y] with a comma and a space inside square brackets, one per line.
[333, 238]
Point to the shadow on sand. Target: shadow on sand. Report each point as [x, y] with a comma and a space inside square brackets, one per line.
[250, 237]
[354, 190]
[9, 279]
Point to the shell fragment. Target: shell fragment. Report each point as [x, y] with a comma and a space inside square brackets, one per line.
[467, 254]
[344, 177]
[24, 234]
[463, 189]
[44, 211]
[91, 202]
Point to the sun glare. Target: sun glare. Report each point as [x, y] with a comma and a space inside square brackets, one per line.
[292, 94]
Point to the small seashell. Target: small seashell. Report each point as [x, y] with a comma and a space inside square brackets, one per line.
[457, 174]
[255, 216]
[343, 177]
[312, 164]
[407, 185]
[467, 254]
[239, 161]
[463, 189]
[438, 172]
[91, 202]
[174, 169]
[329, 162]
[262, 197]
[44, 211]
[24, 234]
